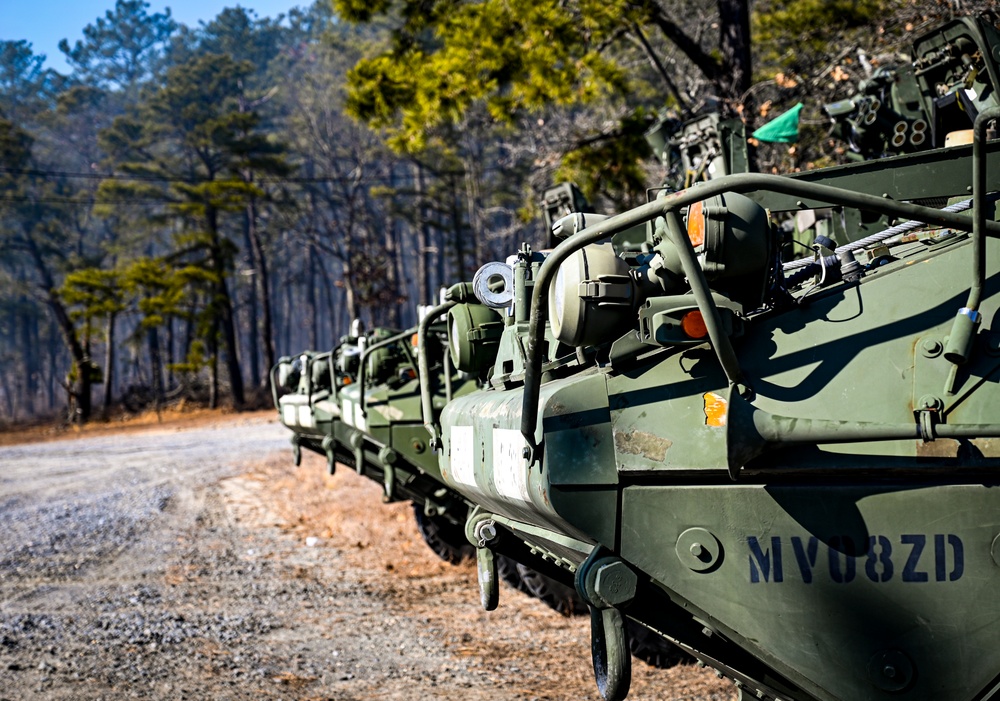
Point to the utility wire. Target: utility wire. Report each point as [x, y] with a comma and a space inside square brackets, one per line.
[195, 181]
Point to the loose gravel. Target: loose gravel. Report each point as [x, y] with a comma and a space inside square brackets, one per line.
[197, 563]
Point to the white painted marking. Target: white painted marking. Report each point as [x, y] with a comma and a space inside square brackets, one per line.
[510, 472]
[463, 458]
[306, 417]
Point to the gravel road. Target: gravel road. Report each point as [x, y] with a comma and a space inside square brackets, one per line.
[196, 562]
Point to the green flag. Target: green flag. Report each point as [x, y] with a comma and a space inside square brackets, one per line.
[783, 129]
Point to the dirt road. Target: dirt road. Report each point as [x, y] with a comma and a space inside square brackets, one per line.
[198, 563]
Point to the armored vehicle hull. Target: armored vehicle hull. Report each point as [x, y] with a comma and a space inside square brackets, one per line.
[799, 488]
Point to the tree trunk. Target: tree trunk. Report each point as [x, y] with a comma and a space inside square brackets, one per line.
[224, 309]
[170, 353]
[213, 368]
[29, 332]
[251, 328]
[312, 322]
[349, 298]
[734, 45]
[456, 229]
[472, 205]
[156, 366]
[327, 329]
[423, 274]
[109, 365]
[80, 391]
[287, 317]
[263, 286]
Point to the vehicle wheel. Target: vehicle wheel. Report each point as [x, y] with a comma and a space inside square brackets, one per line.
[653, 649]
[554, 594]
[445, 538]
[507, 569]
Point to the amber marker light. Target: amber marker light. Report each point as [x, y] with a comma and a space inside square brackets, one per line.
[415, 340]
[347, 380]
[696, 224]
[693, 324]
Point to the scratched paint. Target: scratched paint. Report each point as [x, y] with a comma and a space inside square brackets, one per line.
[641, 443]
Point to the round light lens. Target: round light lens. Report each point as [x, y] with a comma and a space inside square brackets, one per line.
[693, 325]
[696, 224]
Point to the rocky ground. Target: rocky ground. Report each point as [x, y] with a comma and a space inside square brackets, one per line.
[192, 561]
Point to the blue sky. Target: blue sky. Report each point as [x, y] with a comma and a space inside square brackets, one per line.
[45, 22]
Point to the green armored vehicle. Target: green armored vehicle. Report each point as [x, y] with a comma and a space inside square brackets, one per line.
[790, 468]
[359, 404]
[304, 390]
[381, 431]
[928, 102]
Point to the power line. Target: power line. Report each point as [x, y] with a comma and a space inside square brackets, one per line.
[383, 179]
[138, 202]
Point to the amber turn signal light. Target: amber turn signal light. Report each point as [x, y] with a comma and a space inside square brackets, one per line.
[693, 324]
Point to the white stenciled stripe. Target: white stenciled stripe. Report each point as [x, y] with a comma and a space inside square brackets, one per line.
[306, 417]
[463, 467]
[348, 412]
[360, 422]
[510, 473]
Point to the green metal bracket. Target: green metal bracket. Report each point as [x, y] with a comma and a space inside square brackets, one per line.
[481, 531]
[357, 442]
[388, 457]
[329, 443]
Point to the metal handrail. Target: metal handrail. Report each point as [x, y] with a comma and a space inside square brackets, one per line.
[424, 368]
[364, 357]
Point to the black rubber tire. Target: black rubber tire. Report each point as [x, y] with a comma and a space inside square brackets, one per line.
[653, 649]
[445, 538]
[507, 569]
[555, 595]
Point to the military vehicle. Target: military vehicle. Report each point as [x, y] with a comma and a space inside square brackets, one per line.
[922, 104]
[360, 404]
[304, 392]
[700, 148]
[788, 469]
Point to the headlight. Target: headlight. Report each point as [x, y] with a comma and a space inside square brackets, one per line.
[474, 336]
[590, 301]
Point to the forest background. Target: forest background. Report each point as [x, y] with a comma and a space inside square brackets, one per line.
[190, 203]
